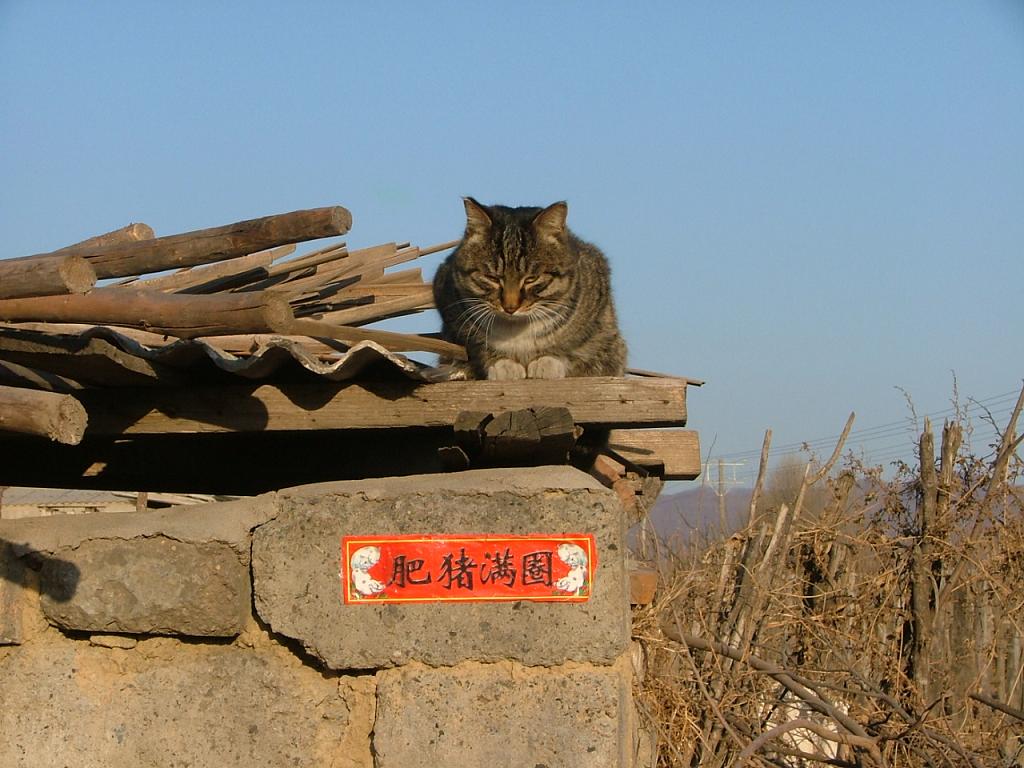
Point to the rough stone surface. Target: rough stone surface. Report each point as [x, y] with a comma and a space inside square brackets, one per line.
[176, 571]
[12, 595]
[504, 715]
[151, 585]
[168, 703]
[296, 561]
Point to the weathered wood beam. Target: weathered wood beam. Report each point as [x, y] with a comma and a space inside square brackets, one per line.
[321, 405]
[47, 275]
[43, 414]
[673, 454]
[175, 315]
[214, 244]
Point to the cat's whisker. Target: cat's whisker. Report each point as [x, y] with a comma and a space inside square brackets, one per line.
[473, 317]
[482, 320]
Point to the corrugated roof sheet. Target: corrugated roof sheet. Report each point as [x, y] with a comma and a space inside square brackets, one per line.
[105, 356]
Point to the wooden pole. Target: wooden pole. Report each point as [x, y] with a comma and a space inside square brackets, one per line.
[47, 275]
[215, 244]
[46, 414]
[178, 315]
[63, 271]
[130, 234]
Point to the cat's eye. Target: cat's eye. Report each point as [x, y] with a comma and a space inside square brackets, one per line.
[538, 281]
[485, 277]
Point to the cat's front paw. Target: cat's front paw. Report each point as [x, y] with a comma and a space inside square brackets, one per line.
[505, 370]
[547, 367]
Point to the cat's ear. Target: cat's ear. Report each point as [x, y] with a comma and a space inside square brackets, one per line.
[478, 220]
[551, 221]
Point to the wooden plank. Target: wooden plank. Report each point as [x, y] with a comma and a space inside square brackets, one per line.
[366, 405]
[672, 453]
[423, 298]
[43, 414]
[214, 244]
[200, 276]
[175, 315]
[45, 276]
[268, 274]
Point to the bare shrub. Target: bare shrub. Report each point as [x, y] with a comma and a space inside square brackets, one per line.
[886, 629]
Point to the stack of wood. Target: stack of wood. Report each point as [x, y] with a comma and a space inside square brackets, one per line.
[231, 286]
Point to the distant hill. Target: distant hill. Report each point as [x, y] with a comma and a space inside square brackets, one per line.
[696, 510]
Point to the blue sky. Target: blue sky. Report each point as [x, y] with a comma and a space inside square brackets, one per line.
[808, 204]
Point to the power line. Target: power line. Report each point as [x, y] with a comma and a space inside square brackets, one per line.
[882, 431]
[995, 407]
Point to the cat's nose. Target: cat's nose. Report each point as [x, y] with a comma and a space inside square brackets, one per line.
[510, 303]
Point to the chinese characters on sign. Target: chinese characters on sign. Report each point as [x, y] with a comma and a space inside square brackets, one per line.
[421, 568]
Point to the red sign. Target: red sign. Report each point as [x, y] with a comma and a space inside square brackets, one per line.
[424, 568]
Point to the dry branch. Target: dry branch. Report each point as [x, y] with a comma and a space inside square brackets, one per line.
[988, 701]
[784, 677]
[45, 414]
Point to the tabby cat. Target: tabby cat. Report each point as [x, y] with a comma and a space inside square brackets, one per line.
[527, 298]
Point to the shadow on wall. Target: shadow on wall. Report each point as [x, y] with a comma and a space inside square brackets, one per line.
[58, 579]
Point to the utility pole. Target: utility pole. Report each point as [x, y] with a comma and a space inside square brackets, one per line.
[721, 488]
[722, 522]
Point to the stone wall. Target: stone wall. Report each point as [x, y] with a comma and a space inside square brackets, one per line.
[217, 636]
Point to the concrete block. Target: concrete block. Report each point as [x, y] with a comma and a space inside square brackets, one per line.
[170, 704]
[296, 561]
[499, 715]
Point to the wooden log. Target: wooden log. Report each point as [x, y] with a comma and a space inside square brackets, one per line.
[611, 402]
[174, 315]
[47, 275]
[524, 437]
[672, 454]
[215, 244]
[45, 414]
[132, 233]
